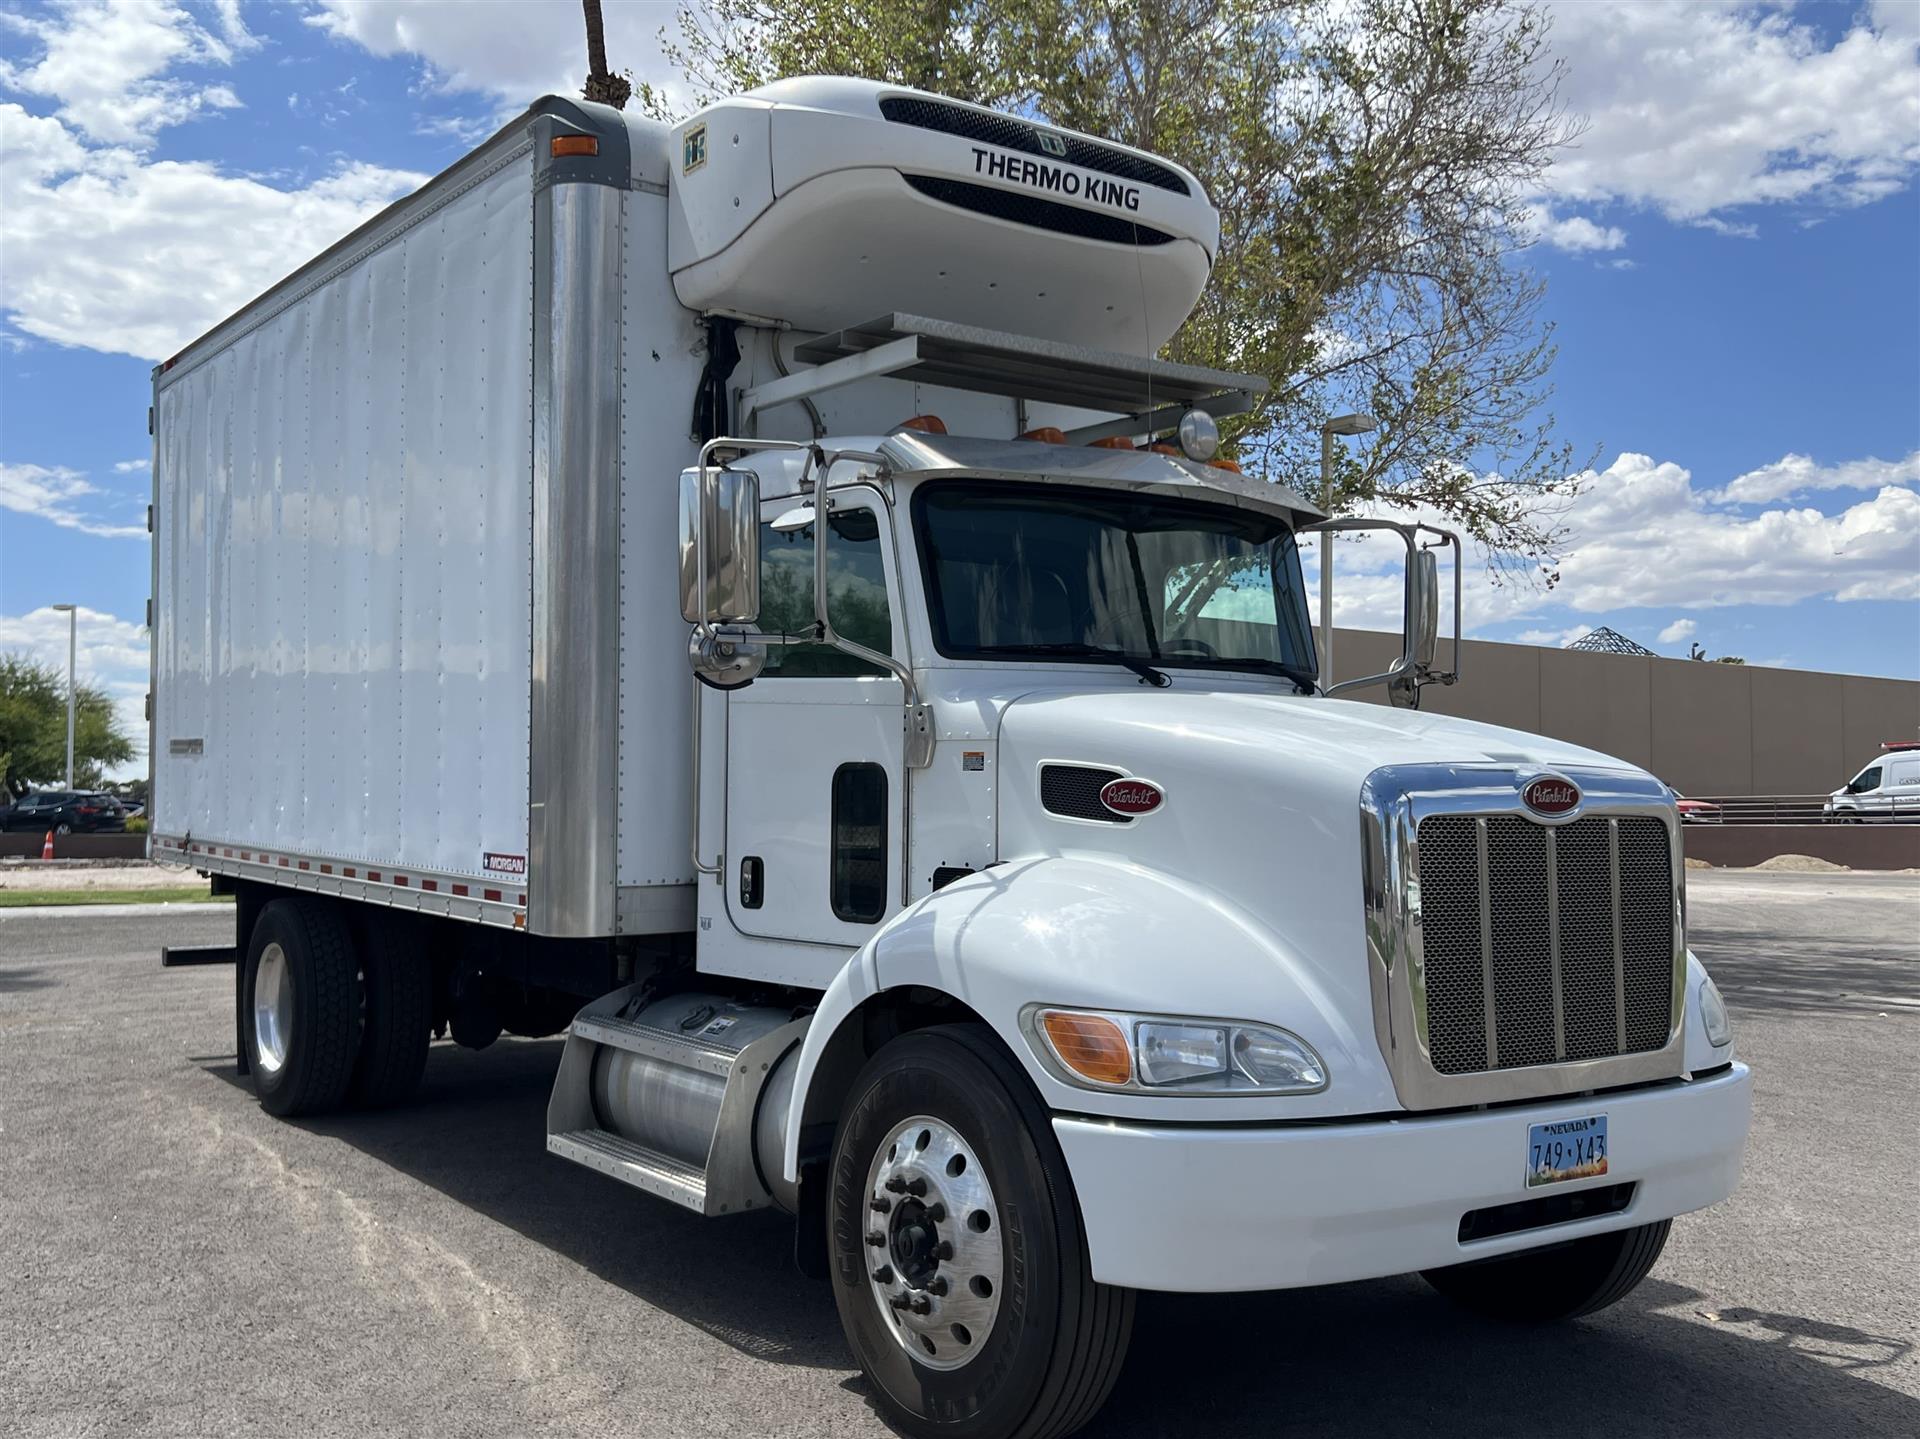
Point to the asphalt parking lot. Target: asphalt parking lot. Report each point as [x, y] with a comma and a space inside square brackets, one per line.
[176, 1262]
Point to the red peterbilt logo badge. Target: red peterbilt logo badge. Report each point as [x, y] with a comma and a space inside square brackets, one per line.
[1550, 796]
[1131, 796]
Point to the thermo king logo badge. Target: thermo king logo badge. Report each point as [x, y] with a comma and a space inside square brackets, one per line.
[693, 149]
[1132, 796]
[1051, 143]
[1550, 796]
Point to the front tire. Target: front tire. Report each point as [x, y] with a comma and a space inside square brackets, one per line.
[1562, 1282]
[976, 1313]
[300, 1007]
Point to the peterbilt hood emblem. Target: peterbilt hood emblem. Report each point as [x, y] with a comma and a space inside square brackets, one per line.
[1550, 795]
[1132, 796]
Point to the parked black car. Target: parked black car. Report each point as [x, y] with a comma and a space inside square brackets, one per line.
[66, 811]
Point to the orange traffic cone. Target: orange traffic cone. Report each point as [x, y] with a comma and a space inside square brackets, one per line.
[46, 848]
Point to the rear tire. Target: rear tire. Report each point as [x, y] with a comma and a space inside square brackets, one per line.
[397, 982]
[1562, 1282]
[300, 1007]
[1044, 1341]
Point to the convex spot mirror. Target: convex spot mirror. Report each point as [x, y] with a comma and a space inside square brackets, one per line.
[719, 547]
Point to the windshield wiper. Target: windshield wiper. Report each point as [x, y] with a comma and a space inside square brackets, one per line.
[1157, 678]
[1305, 681]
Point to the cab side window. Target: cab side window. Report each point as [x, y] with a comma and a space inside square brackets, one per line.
[856, 584]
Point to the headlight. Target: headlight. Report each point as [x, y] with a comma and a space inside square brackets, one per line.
[1713, 1014]
[1104, 1050]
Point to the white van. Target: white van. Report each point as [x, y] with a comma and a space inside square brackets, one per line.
[1887, 788]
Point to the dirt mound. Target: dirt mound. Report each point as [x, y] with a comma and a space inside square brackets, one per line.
[1801, 864]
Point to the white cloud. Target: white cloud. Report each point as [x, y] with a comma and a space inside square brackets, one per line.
[1640, 535]
[129, 467]
[1679, 630]
[109, 652]
[1573, 233]
[1699, 108]
[1554, 639]
[514, 53]
[1799, 474]
[55, 494]
[105, 63]
[109, 252]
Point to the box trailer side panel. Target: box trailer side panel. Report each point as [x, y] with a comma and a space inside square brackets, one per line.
[344, 495]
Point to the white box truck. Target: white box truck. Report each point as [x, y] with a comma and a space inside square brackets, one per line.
[746, 595]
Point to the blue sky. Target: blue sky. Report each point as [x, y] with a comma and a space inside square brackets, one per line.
[1732, 254]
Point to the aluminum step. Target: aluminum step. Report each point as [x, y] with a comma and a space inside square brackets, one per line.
[688, 1051]
[634, 1164]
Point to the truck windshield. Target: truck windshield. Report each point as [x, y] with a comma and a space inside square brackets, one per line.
[1105, 576]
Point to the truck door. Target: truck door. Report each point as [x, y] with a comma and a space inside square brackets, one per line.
[814, 746]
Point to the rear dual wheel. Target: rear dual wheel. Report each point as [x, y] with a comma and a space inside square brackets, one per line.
[326, 1020]
[960, 1267]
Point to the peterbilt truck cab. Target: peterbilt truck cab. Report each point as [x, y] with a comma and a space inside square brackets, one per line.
[936, 823]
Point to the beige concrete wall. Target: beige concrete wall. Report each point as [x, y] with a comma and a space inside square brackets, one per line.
[1705, 729]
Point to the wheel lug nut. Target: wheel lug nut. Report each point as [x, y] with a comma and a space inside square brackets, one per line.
[876, 1240]
[880, 1204]
[937, 1286]
[936, 1212]
[883, 1275]
[943, 1250]
[895, 1184]
[921, 1304]
[916, 1187]
[898, 1301]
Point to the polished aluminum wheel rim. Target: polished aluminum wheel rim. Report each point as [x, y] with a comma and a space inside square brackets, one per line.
[272, 1009]
[933, 1250]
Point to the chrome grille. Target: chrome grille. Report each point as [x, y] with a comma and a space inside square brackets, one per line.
[1532, 951]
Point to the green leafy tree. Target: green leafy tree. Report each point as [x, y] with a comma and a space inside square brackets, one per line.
[33, 729]
[1372, 160]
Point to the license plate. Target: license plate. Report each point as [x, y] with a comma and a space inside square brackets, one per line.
[1565, 1149]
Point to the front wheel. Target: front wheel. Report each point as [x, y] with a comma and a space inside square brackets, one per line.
[1563, 1281]
[960, 1266]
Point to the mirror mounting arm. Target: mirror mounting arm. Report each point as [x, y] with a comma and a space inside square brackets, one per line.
[1414, 668]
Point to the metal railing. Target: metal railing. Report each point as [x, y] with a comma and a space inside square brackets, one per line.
[1799, 809]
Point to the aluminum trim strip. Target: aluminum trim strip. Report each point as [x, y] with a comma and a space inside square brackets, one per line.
[1619, 951]
[455, 896]
[574, 760]
[1486, 946]
[1553, 945]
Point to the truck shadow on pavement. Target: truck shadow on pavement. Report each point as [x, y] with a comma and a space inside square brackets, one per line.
[1779, 975]
[1377, 1358]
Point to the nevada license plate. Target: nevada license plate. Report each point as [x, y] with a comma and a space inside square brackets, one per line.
[1565, 1149]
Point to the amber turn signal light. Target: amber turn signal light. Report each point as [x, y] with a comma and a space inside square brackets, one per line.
[1091, 1045]
[565, 145]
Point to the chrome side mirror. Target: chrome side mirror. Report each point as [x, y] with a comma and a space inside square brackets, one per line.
[1423, 609]
[1420, 641]
[719, 546]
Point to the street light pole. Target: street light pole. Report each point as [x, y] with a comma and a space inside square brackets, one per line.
[1339, 425]
[73, 626]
